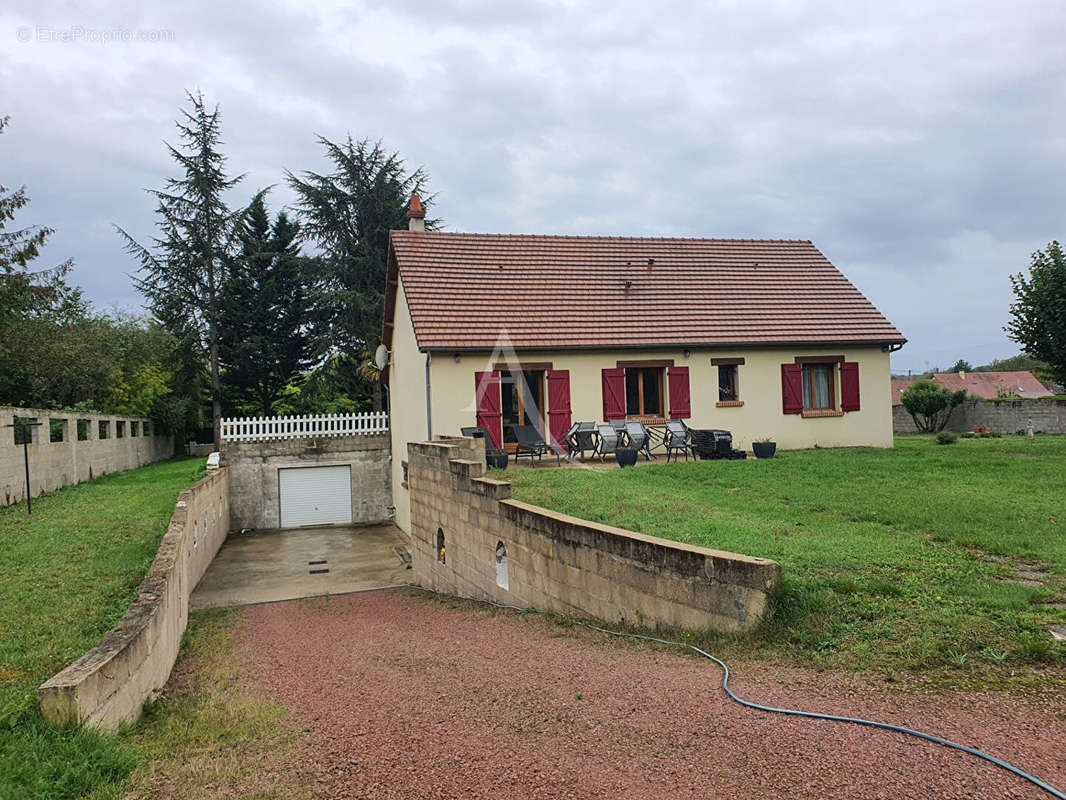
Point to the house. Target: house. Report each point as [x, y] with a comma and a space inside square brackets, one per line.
[761, 338]
[984, 385]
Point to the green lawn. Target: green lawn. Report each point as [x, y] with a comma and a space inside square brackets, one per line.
[893, 560]
[68, 574]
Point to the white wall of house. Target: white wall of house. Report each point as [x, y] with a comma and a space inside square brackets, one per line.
[407, 403]
[759, 389]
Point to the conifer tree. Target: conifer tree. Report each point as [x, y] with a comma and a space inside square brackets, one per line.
[182, 272]
[264, 336]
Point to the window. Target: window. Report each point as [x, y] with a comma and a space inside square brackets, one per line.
[146, 429]
[727, 383]
[133, 429]
[57, 430]
[522, 399]
[83, 430]
[440, 546]
[120, 430]
[104, 430]
[644, 391]
[25, 430]
[819, 386]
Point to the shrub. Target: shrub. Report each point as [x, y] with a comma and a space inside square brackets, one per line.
[947, 437]
[930, 405]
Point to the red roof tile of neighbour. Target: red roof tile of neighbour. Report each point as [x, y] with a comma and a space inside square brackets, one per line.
[552, 292]
[991, 385]
[898, 385]
[988, 385]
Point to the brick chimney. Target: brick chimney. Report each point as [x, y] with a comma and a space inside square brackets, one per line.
[416, 215]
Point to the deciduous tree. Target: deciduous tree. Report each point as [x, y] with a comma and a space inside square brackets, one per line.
[1038, 312]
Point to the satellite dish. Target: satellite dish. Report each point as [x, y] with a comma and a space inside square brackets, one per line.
[381, 356]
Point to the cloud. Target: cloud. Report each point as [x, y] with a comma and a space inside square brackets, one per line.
[921, 150]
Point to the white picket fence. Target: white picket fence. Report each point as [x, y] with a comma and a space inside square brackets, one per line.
[259, 429]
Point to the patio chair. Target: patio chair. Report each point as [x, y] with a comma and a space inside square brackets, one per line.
[677, 438]
[528, 441]
[608, 440]
[581, 437]
[639, 438]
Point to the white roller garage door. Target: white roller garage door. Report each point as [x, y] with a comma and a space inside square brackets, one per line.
[315, 495]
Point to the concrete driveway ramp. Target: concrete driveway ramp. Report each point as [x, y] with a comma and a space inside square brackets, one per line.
[307, 562]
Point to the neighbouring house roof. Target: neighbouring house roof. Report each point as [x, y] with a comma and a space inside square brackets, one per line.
[898, 385]
[987, 385]
[555, 292]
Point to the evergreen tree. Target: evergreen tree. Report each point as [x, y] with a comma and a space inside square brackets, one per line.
[264, 337]
[183, 272]
[348, 213]
[34, 306]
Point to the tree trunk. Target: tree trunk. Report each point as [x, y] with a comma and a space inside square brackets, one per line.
[216, 390]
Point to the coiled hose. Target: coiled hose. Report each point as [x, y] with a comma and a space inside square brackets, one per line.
[789, 711]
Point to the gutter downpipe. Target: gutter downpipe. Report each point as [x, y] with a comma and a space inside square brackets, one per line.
[429, 408]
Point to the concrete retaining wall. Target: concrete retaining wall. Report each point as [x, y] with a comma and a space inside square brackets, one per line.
[253, 470]
[560, 563]
[999, 416]
[110, 684]
[54, 465]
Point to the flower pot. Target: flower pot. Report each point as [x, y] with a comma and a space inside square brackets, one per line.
[496, 460]
[626, 456]
[764, 449]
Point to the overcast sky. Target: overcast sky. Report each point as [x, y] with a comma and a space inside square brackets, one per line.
[920, 145]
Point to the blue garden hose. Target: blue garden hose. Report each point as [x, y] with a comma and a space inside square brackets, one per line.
[790, 711]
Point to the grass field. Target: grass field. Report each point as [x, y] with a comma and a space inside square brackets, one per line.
[893, 560]
[68, 574]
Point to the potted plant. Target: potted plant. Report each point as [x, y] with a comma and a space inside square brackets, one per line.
[495, 458]
[764, 448]
[626, 456]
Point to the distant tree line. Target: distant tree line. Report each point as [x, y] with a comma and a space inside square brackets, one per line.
[250, 311]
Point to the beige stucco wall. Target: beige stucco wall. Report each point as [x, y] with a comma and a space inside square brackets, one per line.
[407, 404]
[560, 563]
[759, 382]
[54, 465]
[109, 685]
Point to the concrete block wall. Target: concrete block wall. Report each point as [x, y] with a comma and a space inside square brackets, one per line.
[253, 474]
[555, 562]
[110, 684]
[1000, 416]
[54, 465]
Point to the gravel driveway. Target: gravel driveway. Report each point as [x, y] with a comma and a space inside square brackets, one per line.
[401, 696]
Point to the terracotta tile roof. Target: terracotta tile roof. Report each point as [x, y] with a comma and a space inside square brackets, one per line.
[991, 385]
[898, 385]
[582, 291]
[988, 385]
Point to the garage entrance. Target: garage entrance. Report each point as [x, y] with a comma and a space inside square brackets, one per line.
[315, 495]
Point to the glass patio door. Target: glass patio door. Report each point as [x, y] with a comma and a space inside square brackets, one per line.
[522, 406]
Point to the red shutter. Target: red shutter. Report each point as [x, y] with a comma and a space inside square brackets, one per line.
[614, 394]
[792, 388]
[849, 386]
[558, 408]
[680, 401]
[489, 411]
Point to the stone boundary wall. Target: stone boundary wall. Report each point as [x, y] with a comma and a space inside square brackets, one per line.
[253, 474]
[54, 465]
[110, 684]
[999, 416]
[555, 562]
